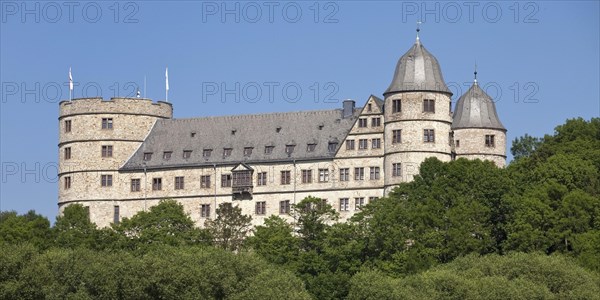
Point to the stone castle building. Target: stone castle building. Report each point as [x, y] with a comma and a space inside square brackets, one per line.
[123, 155]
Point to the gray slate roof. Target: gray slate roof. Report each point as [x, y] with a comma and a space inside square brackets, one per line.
[257, 131]
[418, 70]
[476, 109]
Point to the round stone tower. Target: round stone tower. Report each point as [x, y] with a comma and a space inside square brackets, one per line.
[478, 132]
[96, 137]
[417, 116]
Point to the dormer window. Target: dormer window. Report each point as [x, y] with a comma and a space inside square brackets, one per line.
[227, 152]
[147, 156]
[187, 154]
[278, 129]
[321, 126]
[311, 147]
[233, 132]
[269, 149]
[289, 149]
[248, 151]
[167, 155]
[193, 134]
[332, 146]
[206, 152]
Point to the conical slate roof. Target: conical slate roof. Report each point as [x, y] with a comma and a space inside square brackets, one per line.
[476, 109]
[418, 70]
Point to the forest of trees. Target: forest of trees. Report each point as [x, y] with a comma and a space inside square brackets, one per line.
[461, 230]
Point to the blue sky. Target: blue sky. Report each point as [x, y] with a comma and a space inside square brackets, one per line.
[539, 60]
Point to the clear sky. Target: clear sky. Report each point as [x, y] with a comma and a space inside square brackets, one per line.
[539, 60]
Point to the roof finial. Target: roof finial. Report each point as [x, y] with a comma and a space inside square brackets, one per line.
[475, 73]
[418, 28]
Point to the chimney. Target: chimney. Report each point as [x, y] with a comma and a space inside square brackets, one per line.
[348, 108]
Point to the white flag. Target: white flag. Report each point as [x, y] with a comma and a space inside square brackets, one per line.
[167, 78]
[70, 80]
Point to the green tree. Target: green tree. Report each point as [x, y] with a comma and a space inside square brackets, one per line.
[524, 146]
[28, 228]
[74, 229]
[230, 228]
[313, 216]
[275, 241]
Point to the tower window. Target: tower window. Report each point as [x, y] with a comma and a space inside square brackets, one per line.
[135, 185]
[428, 136]
[396, 106]
[349, 144]
[362, 122]
[106, 180]
[187, 154]
[156, 184]
[286, 177]
[67, 153]
[107, 151]
[375, 122]
[397, 169]
[429, 105]
[179, 183]
[107, 123]
[397, 136]
[67, 125]
[489, 140]
[67, 182]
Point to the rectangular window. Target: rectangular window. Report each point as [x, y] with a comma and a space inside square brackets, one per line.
[67, 153]
[396, 106]
[376, 143]
[248, 151]
[262, 178]
[428, 136]
[107, 123]
[450, 138]
[167, 155]
[284, 207]
[369, 107]
[373, 199]
[205, 210]
[323, 175]
[374, 173]
[156, 184]
[397, 169]
[226, 180]
[227, 152]
[67, 125]
[397, 136]
[147, 156]
[106, 180]
[375, 122]
[429, 105]
[457, 143]
[107, 151]
[359, 173]
[289, 149]
[206, 152]
[205, 181]
[344, 174]
[269, 149]
[306, 176]
[344, 204]
[489, 140]
[359, 203]
[260, 208]
[67, 182]
[179, 183]
[286, 177]
[349, 144]
[311, 147]
[362, 122]
[363, 144]
[187, 154]
[116, 214]
[135, 185]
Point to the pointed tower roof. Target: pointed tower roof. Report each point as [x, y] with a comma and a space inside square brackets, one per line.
[418, 70]
[476, 109]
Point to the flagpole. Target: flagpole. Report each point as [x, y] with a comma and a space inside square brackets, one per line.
[144, 86]
[70, 85]
[167, 84]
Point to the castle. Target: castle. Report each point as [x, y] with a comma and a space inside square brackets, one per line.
[123, 155]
